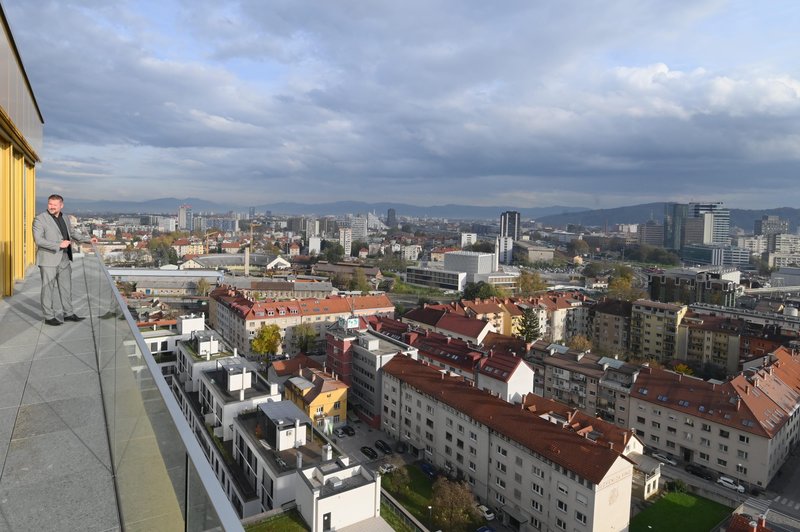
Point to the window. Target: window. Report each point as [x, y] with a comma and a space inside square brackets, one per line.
[501, 451]
[744, 439]
[704, 457]
[501, 466]
[581, 518]
[724, 433]
[656, 424]
[705, 442]
[741, 469]
[500, 482]
[537, 471]
[337, 405]
[562, 489]
[560, 523]
[473, 436]
[517, 478]
[562, 506]
[537, 488]
[722, 462]
[741, 454]
[536, 505]
[581, 498]
[654, 438]
[670, 444]
[319, 410]
[723, 448]
[706, 427]
[499, 498]
[472, 466]
[640, 419]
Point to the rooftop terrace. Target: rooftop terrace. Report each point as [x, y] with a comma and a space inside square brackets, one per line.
[90, 436]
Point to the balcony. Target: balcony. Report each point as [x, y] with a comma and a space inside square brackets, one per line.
[90, 435]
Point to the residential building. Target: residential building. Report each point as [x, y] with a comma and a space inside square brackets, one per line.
[346, 240]
[651, 234]
[505, 376]
[314, 245]
[717, 285]
[510, 224]
[357, 355]
[449, 323]
[391, 218]
[185, 217]
[277, 288]
[411, 252]
[710, 340]
[359, 229]
[610, 329]
[744, 428]
[654, 329]
[537, 471]
[504, 248]
[238, 318]
[320, 395]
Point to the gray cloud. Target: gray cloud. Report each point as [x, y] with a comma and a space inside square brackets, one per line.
[415, 101]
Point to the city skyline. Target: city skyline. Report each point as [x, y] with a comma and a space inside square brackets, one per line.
[611, 105]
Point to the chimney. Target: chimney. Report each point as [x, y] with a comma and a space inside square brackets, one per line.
[241, 394]
[299, 459]
[235, 351]
[327, 452]
[762, 520]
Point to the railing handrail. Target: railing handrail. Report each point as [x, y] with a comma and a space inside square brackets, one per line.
[217, 497]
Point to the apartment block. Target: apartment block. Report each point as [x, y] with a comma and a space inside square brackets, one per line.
[654, 329]
[537, 472]
[239, 318]
[320, 395]
[744, 428]
[717, 285]
[610, 326]
[710, 340]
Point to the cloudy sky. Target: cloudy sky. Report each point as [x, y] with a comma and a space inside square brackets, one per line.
[526, 103]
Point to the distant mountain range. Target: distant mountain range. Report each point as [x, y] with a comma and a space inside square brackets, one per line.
[170, 206]
[555, 216]
[637, 214]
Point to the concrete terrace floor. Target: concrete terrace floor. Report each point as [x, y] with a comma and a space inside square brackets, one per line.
[55, 467]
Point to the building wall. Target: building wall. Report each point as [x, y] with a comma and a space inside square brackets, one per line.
[21, 130]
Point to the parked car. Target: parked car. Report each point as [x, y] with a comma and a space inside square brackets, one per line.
[699, 471]
[383, 446]
[428, 469]
[730, 484]
[350, 431]
[369, 452]
[485, 512]
[485, 528]
[339, 433]
[386, 469]
[665, 459]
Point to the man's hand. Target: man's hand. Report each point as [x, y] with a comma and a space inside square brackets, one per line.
[65, 244]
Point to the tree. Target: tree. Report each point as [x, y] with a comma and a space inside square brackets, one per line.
[356, 246]
[333, 251]
[203, 287]
[267, 340]
[481, 290]
[481, 247]
[683, 368]
[398, 480]
[622, 288]
[529, 283]
[579, 343]
[593, 269]
[453, 504]
[359, 281]
[578, 247]
[304, 337]
[529, 329]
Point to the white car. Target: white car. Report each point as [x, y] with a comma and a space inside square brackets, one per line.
[665, 459]
[485, 512]
[386, 469]
[730, 484]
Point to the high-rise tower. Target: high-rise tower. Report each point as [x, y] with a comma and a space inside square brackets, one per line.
[509, 224]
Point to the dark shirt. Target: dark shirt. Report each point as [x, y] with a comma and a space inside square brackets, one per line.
[64, 233]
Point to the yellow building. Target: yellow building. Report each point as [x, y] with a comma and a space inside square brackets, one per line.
[21, 128]
[654, 329]
[320, 395]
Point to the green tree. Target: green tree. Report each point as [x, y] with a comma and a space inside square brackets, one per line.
[683, 368]
[481, 290]
[622, 288]
[578, 247]
[530, 283]
[356, 246]
[593, 269]
[529, 329]
[304, 337]
[359, 281]
[481, 247]
[398, 480]
[332, 251]
[267, 340]
[453, 504]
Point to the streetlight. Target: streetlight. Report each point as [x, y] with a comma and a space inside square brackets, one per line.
[738, 472]
[430, 515]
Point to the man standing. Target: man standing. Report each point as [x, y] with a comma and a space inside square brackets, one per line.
[54, 236]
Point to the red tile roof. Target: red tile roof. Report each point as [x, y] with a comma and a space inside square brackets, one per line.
[499, 366]
[448, 321]
[291, 366]
[566, 448]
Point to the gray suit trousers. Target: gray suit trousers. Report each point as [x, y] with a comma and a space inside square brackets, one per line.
[57, 280]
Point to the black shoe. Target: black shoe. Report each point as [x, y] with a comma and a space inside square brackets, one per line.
[52, 321]
[73, 317]
[108, 315]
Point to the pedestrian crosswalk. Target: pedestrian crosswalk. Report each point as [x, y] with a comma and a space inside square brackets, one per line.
[785, 501]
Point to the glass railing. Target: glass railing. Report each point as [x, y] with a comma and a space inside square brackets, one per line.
[162, 478]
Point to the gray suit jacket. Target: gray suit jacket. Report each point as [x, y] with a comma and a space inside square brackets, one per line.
[48, 238]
